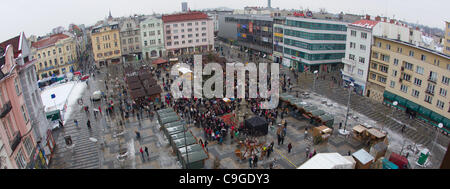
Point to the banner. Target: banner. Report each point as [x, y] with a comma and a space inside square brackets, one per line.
[250, 27]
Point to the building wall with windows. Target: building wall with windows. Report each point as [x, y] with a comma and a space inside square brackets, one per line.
[55, 55]
[255, 35]
[446, 49]
[152, 35]
[314, 44]
[106, 45]
[416, 77]
[188, 33]
[15, 124]
[130, 36]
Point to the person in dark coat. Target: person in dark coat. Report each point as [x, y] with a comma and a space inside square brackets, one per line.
[289, 147]
[146, 151]
[88, 123]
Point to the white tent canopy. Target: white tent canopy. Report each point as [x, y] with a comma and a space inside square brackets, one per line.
[328, 161]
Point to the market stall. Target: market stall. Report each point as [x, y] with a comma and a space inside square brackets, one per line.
[256, 126]
[321, 134]
[375, 136]
[327, 120]
[359, 132]
[179, 135]
[190, 148]
[169, 114]
[166, 110]
[174, 130]
[170, 119]
[378, 150]
[194, 160]
[400, 161]
[315, 116]
[363, 159]
[182, 142]
[328, 161]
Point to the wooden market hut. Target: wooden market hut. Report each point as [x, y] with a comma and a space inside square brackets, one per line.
[169, 119]
[179, 135]
[315, 116]
[327, 120]
[363, 159]
[359, 132]
[375, 135]
[190, 148]
[174, 130]
[182, 142]
[322, 131]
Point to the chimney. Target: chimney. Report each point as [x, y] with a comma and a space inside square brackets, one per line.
[378, 18]
[367, 17]
[384, 19]
[392, 21]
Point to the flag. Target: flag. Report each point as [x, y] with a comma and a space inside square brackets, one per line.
[305, 68]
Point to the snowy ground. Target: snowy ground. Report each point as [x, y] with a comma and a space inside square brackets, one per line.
[72, 100]
[396, 140]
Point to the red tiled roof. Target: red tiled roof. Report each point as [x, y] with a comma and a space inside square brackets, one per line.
[49, 41]
[184, 16]
[15, 43]
[365, 23]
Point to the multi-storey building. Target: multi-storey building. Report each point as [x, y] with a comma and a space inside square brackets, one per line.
[31, 94]
[359, 43]
[278, 37]
[152, 35]
[187, 33]
[130, 35]
[446, 49]
[313, 44]
[255, 34]
[55, 55]
[16, 132]
[416, 77]
[105, 40]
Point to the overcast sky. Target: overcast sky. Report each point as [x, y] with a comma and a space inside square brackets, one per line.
[39, 17]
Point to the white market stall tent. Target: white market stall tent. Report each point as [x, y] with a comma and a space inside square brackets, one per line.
[328, 161]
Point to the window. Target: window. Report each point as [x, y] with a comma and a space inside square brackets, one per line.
[169, 43]
[385, 58]
[145, 43]
[61, 60]
[445, 80]
[204, 28]
[399, 50]
[375, 55]
[54, 51]
[182, 30]
[415, 93]
[363, 35]
[383, 69]
[362, 47]
[175, 37]
[145, 35]
[183, 42]
[176, 43]
[189, 35]
[408, 66]
[373, 76]
[436, 62]
[423, 58]
[388, 46]
[352, 45]
[203, 40]
[203, 23]
[189, 41]
[28, 145]
[182, 24]
[382, 79]
[203, 34]
[151, 33]
[189, 29]
[379, 44]
[159, 41]
[59, 50]
[433, 76]
[417, 82]
[440, 104]
[168, 37]
[351, 57]
[448, 65]
[419, 70]
[392, 84]
[406, 77]
[353, 33]
[411, 53]
[404, 88]
[182, 36]
[17, 86]
[362, 60]
[189, 24]
[430, 88]
[159, 32]
[175, 31]
[374, 66]
[20, 160]
[360, 72]
[428, 99]
[394, 73]
[443, 92]
[395, 61]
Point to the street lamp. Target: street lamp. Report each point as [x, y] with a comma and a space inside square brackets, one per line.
[348, 107]
[395, 103]
[314, 85]
[440, 125]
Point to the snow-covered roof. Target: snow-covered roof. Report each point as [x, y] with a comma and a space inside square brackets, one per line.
[369, 24]
[327, 161]
[363, 156]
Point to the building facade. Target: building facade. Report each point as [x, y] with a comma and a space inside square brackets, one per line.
[188, 33]
[416, 77]
[55, 55]
[152, 35]
[278, 38]
[130, 36]
[314, 44]
[106, 47]
[446, 49]
[16, 131]
[255, 35]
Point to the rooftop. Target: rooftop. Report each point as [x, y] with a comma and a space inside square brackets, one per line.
[184, 17]
[369, 24]
[14, 42]
[416, 46]
[49, 41]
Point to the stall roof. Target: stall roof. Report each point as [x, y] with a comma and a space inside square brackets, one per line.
[176, 129]
[181, 142]
[176, 123]
[154, 90]
[190, 148]
[376, 133]
[326, 117]
[317, 113]
[324, 128]
[195, 156]
[169, 119]
[165, 110]
[168, 114]
[359, 128]
[137, 93]
[310, 108]
[363, 156]
[327, 161]
[301, 104]
[181, 135]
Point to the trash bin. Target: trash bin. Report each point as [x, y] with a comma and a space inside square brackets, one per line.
[423, 156]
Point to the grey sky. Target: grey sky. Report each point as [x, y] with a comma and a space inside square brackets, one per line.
[39, 17]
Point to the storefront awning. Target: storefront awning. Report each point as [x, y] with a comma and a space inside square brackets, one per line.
[413, 106]
[389, 96]
[424, 111]
[401, 101]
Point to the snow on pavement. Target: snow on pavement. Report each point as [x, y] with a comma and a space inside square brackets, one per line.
[61, 92]
[72, 100]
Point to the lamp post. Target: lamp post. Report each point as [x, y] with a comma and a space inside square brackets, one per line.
[395, 103]
[315, 75]
[440, 125]
[348, 107]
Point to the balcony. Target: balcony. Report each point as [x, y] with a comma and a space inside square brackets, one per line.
[6, 108]
[16, 140]
[430, 92]
[433, 80]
